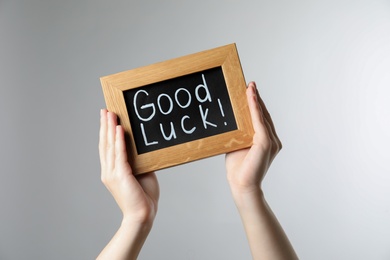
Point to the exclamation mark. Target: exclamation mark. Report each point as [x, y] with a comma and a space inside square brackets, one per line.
[220, 107]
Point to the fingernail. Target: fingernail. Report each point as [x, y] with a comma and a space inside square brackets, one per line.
[254, 85]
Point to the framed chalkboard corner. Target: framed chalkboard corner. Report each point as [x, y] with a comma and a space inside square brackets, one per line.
[181, 110]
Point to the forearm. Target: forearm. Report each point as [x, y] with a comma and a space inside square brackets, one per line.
[127, 242]
[266, 237]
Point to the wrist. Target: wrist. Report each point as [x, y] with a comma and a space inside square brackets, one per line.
[129, 222]
[247, 197]
[239, 189]
[140, 217]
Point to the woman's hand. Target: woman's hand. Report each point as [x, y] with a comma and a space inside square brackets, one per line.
[136, 196]
[246, 168]
[245, 172]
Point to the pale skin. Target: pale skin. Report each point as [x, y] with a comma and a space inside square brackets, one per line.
[137, 196]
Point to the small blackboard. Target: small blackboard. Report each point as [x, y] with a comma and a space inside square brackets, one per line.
[181, 110]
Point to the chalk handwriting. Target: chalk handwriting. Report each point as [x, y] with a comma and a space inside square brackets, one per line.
[166, 114]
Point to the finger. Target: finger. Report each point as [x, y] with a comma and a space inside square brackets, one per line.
[259, 124]
[120, 146]
[110, 147]
[103, 136]
[270, 128]
[275, 142]
[269, 122]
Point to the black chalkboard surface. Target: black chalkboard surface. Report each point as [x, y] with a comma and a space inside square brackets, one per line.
[181, 110]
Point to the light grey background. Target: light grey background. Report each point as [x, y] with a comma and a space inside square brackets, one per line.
[323, 69]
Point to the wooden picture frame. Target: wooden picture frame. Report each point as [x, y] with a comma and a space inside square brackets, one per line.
[117, 86]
